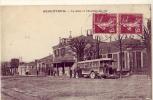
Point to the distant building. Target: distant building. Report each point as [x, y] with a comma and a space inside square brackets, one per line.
[14, 66]
[22, 69]
[27, 68]
[45, 65]
[5, 69]
[10, 67]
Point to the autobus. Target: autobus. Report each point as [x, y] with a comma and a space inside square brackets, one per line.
[95, 68]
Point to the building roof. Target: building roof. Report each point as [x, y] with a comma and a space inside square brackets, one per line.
[89, 38]
[32, 63]
[64, 59]
[46, 59]
[134, 44]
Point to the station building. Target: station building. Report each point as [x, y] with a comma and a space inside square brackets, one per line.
[133, 54]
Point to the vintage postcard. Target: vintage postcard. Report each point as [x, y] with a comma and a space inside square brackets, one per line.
[76, 52]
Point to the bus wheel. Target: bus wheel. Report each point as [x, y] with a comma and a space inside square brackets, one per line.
[92, 75]
[76, 75]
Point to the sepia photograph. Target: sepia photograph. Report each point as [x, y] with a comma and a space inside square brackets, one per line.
[76, 52]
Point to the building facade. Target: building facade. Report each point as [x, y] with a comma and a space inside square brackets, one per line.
[5, 69]
[10, 67]
[44, 66]
[64, 57]
[131, 56]
[27, 68]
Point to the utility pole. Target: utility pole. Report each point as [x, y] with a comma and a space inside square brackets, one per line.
[81, 30]
[70, 36]
[97, 46]
[120, 54]
[109, 46]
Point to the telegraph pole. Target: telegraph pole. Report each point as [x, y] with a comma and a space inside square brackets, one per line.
[120, 54]
[97, 46]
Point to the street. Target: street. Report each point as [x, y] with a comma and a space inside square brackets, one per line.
[63, 88]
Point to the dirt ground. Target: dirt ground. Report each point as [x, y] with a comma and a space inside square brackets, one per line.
[62, 88]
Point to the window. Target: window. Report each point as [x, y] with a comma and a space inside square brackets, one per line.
[95, 64]
[86, 65]
[81, 65]
[122, 60]
[144, 60]
[109, 55]
[138, 59]
[64, 41]
[132, 60]
[126, 59]
[103, 56]
[62, 51]
[90, 64]
[56, 52]
[47, 65]
[115, 57]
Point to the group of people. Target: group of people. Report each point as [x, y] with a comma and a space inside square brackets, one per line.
[109, 69]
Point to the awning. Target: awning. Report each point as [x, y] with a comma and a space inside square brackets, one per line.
[63, 60]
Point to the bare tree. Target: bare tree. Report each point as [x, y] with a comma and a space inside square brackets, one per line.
[97, 47]
[93, 49]
[78, 45]
[146, 37]
[119, 45]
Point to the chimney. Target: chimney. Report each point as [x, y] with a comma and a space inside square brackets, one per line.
[87, 33]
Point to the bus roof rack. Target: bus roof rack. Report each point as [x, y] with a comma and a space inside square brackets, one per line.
[100, 59]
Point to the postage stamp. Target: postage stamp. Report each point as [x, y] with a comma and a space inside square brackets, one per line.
[131, 23]
[105, 23]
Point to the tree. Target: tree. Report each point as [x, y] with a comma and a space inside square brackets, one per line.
[78, 44]
[146, 37]
[120, 46]
[91, 51]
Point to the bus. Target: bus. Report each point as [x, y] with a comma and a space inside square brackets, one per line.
[102, 67]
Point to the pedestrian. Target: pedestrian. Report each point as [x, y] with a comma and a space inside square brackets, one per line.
[110, 69]
[70, 73]
[105, 68]
[37, 72]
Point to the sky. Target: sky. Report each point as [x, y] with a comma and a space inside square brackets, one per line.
[29, 33]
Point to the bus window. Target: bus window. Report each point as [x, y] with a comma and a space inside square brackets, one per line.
[81, 65]
[95, 64]
[87, 65]
[78, 65]
[101, 64]
[110, 63]
[90, 64]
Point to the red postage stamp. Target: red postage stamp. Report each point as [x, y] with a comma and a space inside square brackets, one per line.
[104, 23]
[130, 23]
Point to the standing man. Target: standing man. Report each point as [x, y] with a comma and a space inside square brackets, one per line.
[37, 72]
[70, 73]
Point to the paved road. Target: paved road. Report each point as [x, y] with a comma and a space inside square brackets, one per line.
[61, 88]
